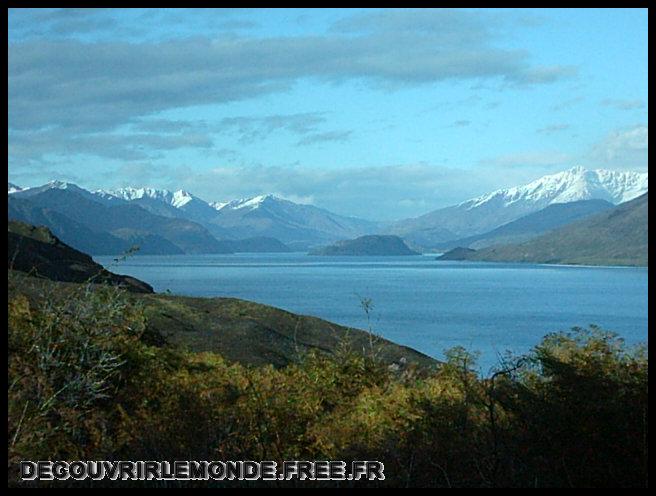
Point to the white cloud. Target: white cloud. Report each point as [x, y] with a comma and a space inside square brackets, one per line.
[88, 86]
[530, 160]
[623, 148]
[553, 128]
[623, 104]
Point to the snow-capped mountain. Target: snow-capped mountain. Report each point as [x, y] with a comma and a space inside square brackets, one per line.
[304, 226]
[58, 185]
[570, 185]
[38, 189]
[250, 203]
[12, 188]
[263, 216]
[176, 199]
[492, 210]
[297, 225]
[178, 203]
[100, 222]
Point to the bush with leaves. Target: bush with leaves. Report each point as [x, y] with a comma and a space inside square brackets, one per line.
[85, 384]
[580, 404]
[68, 360]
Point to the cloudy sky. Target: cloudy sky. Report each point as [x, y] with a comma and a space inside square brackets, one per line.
[382, 114]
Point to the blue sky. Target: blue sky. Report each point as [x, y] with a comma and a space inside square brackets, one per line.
[381, 114]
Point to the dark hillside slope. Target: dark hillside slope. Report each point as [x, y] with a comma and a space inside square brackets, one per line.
[35, 251]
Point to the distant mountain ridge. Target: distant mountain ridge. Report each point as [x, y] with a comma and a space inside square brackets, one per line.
[178, 203]
[574, 184]
[217, 226]
[12, 188]
[618, 236]
[262, 216]
[176, 199]
[69, 231]
[298, 226]
[487, 212]
[532, 225]
[261, 223]
[124, 221]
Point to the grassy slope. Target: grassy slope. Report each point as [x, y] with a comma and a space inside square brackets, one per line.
[241, 331]
[39, 233]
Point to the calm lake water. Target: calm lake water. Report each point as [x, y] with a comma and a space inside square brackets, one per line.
[417, 301]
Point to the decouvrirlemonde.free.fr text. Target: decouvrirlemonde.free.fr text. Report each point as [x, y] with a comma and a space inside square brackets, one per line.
[203, 470]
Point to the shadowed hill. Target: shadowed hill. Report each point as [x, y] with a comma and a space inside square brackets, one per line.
[34, 250]
[86, 239]
[257, 334]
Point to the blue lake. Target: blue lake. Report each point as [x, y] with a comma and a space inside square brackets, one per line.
[417, 301]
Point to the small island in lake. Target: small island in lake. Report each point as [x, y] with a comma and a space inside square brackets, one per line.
[371, 245]
[458, 253]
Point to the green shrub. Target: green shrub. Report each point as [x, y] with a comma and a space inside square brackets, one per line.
[68, 359]
[84, 383]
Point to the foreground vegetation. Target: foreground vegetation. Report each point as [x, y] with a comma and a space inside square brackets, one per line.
[88, 381]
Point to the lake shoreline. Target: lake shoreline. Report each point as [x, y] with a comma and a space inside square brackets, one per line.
[416, 301]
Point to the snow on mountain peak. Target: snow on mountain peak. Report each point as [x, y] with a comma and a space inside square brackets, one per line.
[176, 199]
[181, 198]
[56, 184]
[252, 203]
[574, 184]
[12, 188]
[130, 193]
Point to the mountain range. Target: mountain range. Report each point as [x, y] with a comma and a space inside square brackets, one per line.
[487, 212]
[180, 204]
[164, 222]
[260, 216]
[531, 225]
[173, 222]
[298, 226]
[130, 223]
[616, 236]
